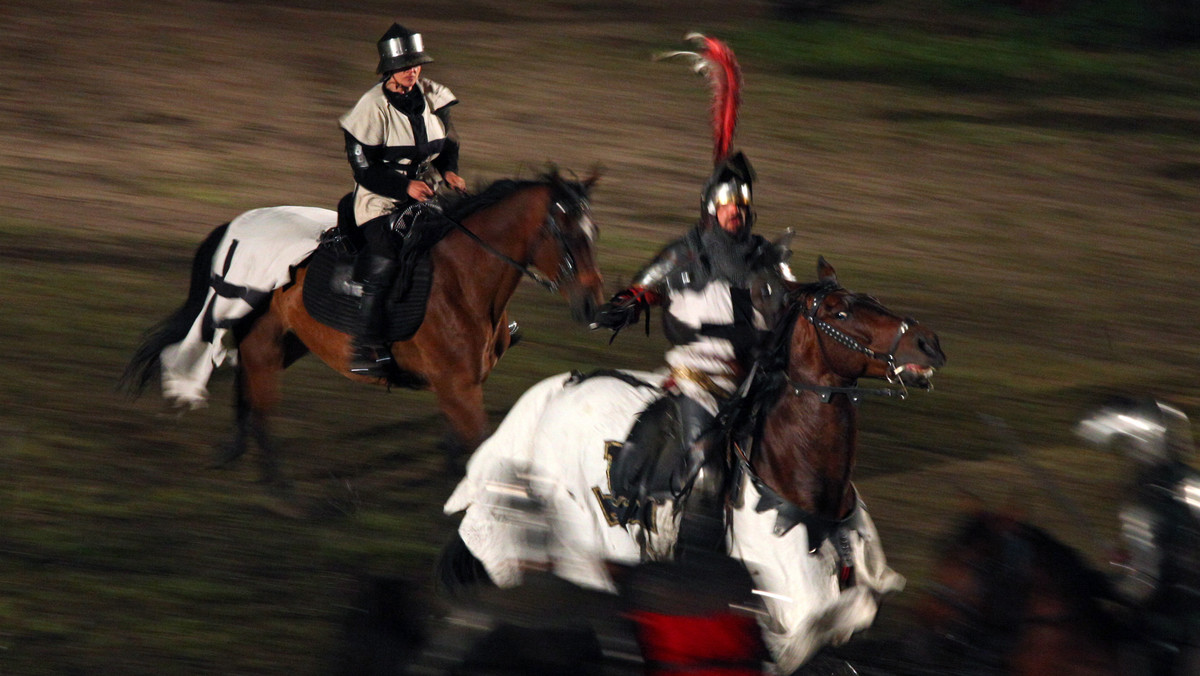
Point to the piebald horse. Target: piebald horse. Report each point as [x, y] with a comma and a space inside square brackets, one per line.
[793, 515]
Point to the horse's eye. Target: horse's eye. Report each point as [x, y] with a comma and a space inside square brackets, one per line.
[841, 314]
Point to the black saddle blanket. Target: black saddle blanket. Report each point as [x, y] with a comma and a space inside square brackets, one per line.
[648, 466]
[327, 292]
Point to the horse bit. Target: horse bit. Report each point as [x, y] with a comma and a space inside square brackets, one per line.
[850, 342]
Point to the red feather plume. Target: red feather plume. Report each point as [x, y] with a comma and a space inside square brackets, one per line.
[720, 66]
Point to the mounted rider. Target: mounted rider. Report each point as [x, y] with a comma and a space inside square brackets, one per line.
[703, 281]
[400, 144]
[1159, 557]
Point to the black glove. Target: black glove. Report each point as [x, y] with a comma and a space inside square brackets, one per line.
[623, 310]
[616, 315]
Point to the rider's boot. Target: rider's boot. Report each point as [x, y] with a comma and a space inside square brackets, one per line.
[371, 356]
[514, 333]
[702, 522]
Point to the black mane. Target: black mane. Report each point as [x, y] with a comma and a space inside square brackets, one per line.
[503, 188]
[746, 415]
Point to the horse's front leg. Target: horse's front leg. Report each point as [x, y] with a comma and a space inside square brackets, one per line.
[462, 404]
[261, 359]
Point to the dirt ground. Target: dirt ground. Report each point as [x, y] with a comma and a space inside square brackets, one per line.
[132, 112]
[1050, 239]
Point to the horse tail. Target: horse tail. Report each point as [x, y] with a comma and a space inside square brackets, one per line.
[145, 364]
[457, 572]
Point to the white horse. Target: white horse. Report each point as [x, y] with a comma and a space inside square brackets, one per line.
[793, 516]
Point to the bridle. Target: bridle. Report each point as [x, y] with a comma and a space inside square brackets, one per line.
[889, 358]
[572, 204]
[788, 514]
[566, 201]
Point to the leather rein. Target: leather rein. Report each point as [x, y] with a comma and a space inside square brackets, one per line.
[566, 202]
[789, 515]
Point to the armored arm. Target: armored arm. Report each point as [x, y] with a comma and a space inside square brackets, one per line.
[370, 171]
[783, 250]
[648, 288]
[774, 256]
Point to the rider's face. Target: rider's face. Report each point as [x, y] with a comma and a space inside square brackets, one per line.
[401, 81]
[729, 216]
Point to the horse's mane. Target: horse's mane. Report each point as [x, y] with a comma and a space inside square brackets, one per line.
[501, 189]
[1081, 585]
[771, 357]
[1068, 568]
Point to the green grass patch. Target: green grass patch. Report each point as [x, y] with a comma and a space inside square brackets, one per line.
[1013, 64]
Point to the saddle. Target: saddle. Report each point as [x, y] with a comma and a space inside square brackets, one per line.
[654, 462]
[331, 297]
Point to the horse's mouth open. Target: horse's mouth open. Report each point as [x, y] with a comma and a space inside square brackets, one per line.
[915, 375]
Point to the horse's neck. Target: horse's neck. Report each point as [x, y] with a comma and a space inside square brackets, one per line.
[512, 225]
[509, 228]
[807, 451]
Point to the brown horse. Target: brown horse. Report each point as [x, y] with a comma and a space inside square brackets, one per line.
[793, 515]
[501, 235]
[1008, 598]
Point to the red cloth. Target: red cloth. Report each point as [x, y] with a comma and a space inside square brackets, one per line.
[720, 644]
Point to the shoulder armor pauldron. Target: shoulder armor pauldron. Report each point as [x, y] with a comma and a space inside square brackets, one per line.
[677, 266]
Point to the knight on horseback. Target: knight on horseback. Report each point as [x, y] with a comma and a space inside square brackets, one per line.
[400, 144]
[702, 282]
[1159, 557]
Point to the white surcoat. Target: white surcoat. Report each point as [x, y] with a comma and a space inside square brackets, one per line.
[375, 122]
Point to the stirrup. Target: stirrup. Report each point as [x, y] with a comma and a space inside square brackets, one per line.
[370, 360]
[514, 333]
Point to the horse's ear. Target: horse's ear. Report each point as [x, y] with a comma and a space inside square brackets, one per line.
[593, 178]
[825, 271]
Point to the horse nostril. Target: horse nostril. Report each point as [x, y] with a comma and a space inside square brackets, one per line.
[929, 346]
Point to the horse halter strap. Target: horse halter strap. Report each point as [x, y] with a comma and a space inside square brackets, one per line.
[567, 268]
[850, 342]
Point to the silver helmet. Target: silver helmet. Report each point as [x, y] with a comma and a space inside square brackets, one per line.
[1151, 432]
[731, 183]
[401, 49]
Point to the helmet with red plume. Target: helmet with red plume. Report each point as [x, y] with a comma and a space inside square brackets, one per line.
[732, 178]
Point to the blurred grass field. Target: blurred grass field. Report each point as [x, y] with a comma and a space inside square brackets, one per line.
[1033, 200]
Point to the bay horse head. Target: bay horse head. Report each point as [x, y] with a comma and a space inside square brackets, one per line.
[565, 249]
[544, 228]
[825, 340]
[840, 336]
